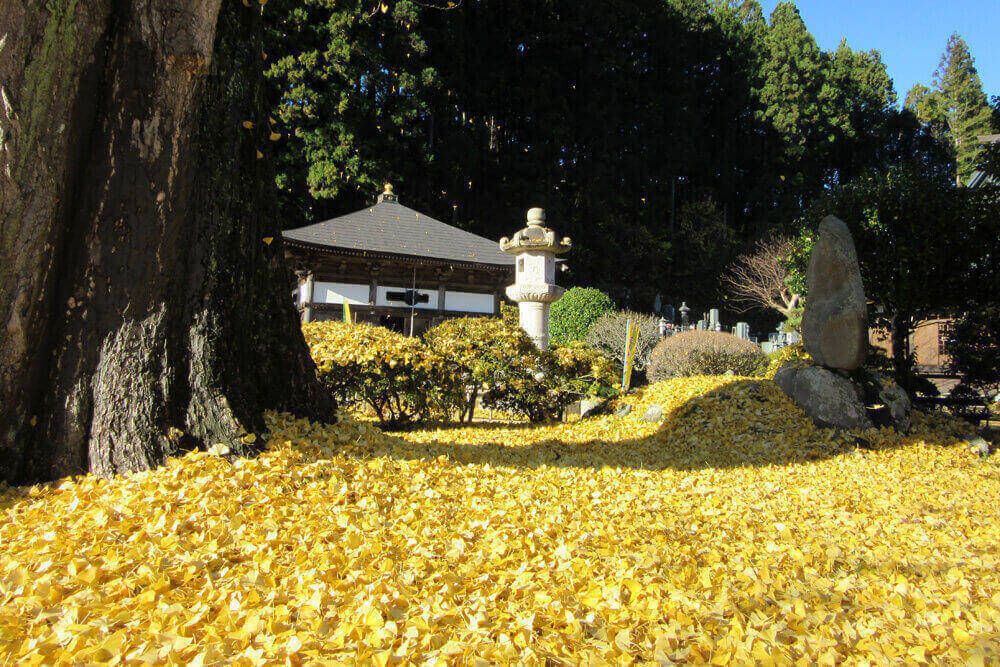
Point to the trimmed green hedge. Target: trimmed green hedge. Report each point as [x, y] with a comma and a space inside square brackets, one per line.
[574, 314]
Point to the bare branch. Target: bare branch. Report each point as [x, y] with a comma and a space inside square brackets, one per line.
[757, 279]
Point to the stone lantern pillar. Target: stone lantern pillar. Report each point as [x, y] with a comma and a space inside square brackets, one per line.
[534, 288]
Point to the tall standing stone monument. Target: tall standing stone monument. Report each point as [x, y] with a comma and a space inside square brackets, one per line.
[534, 288]
[835, 322]
[835, 333]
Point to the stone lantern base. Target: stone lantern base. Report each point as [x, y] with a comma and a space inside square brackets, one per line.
[533, 303]
[534, 318]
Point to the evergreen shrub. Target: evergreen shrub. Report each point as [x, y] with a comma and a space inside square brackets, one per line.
[408, 380]
[400, 379]
[585, 372]
[495, 360]
[482, 352]
[575, 312]
[544, 384]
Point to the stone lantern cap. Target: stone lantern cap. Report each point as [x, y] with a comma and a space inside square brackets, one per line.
[536, 237]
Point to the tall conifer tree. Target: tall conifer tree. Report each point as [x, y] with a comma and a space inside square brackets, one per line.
[956, 107]
[862, 100]
[354, 87]
[969, 114]
[793, 80]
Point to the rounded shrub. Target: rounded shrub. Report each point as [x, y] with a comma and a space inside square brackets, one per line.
[704, 353]
[543, 385]
[575, 312]
[400, 379]
[496, 361]
[585, 372]
[483, 352]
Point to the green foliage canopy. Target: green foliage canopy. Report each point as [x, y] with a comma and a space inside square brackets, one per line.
[575, 312]
[625, 119]
[956, 107]
[352, 88]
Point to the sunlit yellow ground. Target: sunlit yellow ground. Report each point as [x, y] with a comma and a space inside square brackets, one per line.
[733, 532]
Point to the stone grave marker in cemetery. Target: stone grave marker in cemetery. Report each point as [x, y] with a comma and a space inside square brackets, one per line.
[685, 312]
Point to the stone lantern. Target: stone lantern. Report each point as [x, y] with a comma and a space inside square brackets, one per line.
[685, 314]
[534, 288]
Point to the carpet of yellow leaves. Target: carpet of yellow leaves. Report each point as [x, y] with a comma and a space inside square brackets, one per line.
[732, 532]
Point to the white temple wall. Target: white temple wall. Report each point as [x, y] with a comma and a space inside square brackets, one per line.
[469, 302]
[357, 295]
[383, 300]
[337, 292]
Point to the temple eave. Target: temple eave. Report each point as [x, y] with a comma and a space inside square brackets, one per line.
[396, 257]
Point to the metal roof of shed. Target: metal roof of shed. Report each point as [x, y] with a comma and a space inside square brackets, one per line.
[388, 227]
[979, 179]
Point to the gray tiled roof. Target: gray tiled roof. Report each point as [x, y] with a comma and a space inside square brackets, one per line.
[390, 227]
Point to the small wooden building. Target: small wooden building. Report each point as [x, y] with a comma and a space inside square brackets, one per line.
[396, 267]
[928, 343]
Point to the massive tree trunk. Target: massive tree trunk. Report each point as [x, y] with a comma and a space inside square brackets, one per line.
[144, 303]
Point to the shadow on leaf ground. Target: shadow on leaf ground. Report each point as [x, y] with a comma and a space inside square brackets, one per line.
[739, 422]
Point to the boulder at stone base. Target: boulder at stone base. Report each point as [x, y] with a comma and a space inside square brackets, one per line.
[898, 403]
[830, 400]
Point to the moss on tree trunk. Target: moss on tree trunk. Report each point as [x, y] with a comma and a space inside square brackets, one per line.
[145, 303]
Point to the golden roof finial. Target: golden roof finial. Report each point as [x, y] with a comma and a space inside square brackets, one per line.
[387, 195]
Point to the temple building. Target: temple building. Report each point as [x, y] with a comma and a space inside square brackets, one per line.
[396, 267]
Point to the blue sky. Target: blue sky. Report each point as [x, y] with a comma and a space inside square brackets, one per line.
[911, 34]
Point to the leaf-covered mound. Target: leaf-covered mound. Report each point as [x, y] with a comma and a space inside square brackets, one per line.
[709, 536]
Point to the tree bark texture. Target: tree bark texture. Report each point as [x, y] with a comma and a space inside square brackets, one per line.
[144, 303]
